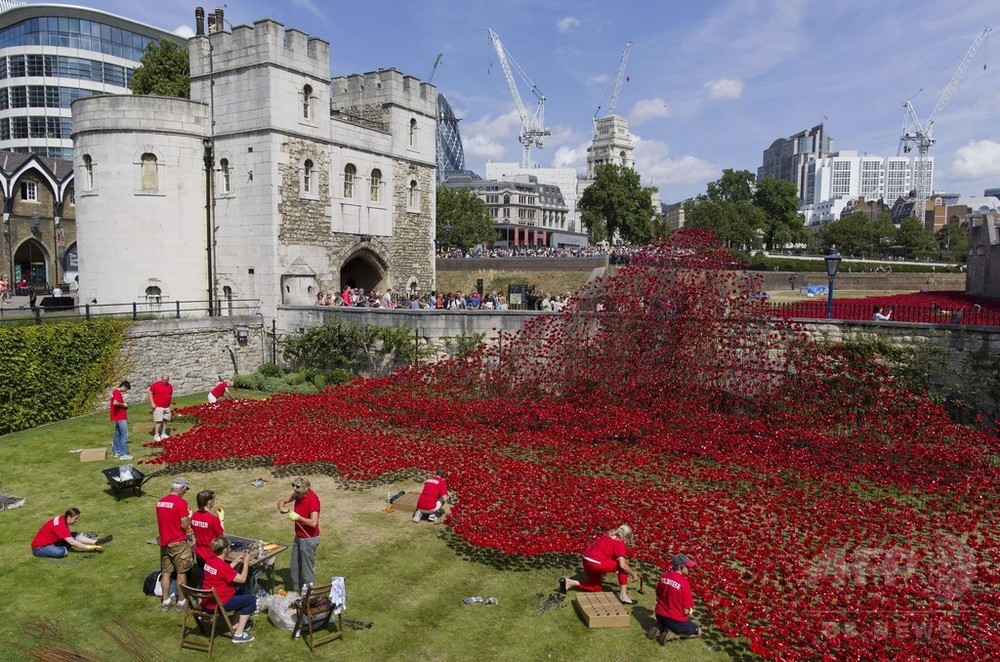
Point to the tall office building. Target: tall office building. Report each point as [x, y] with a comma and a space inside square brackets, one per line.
[51, 55]
[612, 144]
[788, 158]
[450, 155]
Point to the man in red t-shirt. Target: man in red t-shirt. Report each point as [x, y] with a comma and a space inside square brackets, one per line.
[305, 514]
[118, 412]
[674, 603]
[222, 576]
[54, 539]
[160, 395]
[432, 498]
[219, 391]
[173, 519]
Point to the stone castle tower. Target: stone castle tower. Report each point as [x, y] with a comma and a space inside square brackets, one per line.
[316, 183]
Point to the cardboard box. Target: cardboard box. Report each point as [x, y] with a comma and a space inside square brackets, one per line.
[407, 503]
[94, 454]
[602, 610]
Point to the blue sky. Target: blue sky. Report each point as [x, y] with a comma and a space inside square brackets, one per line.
[711, 84]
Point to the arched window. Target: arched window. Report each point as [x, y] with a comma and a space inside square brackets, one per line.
[307, 91]
[506, 198]
[349, 172]
[413, 132]
[414, 197]
[307, 176]
[375, 185]
[88, 173]
[153, 294]
[149, 178]
[226, 176]
[227, 292]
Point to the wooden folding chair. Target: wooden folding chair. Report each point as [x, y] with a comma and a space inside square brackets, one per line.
[314, 613]
[203, 618]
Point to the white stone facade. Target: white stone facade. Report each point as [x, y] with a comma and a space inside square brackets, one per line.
[317, 183]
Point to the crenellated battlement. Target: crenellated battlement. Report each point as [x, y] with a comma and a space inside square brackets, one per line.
[266, 42]
[384, 87]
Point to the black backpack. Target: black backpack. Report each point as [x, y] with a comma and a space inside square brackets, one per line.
[149, 584]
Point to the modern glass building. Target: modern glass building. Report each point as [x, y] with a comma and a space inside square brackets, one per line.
[450, 155]
[52, 54]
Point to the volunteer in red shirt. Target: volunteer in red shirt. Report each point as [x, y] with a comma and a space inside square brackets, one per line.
[305, 515]
[207, 525]
[173, 520]
[223, 577]
[160, 394]
[54, 539]
[118, 411]
[674, 603]
[432, 498]
[604, 556]
[219, 391]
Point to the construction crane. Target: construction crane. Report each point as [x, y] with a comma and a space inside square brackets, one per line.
[532, 126]
[437, 61]
[619, 79]
[920, 135]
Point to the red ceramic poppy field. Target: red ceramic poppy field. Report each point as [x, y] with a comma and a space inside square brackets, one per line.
[834, 514]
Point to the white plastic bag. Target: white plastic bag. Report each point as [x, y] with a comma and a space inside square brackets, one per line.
[280, 611]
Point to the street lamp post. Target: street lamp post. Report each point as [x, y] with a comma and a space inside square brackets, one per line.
[832, 261]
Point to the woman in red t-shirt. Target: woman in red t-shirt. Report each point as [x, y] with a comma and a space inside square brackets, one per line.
[207, 525]
[223, 577]
[606, 555]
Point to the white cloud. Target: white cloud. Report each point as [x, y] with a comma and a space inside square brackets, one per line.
[724, 88]
[675, 177]
[568, 156]
[184, 32]
[979, 159]
[647, 109]
[489, 138]
[568, 23]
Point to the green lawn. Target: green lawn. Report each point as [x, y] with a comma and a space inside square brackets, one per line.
[407, 580]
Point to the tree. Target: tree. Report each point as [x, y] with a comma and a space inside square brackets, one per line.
[912, 236]
[617, 204]
[728, 210]
[164, 70]
[952, 238]
[462, 218]
[779, 201]
[853, 234]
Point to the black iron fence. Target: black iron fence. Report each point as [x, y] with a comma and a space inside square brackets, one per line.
[845, 309]
[62, 308]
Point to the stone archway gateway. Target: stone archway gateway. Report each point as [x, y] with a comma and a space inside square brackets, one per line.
[364, 269]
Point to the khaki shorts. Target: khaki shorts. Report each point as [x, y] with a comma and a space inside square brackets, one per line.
[161, 414]
[176, 557]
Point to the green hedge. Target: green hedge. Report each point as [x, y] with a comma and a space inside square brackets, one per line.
[52, 372]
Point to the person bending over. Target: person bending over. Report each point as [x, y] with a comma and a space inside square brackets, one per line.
[606, 555]
[674, 603]
[223, 577]
[432, 498]
[54, 539]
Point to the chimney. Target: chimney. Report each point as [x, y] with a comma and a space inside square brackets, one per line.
[220, 25]
[199, 21]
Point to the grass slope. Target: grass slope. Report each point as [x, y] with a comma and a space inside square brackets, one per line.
[407, 580]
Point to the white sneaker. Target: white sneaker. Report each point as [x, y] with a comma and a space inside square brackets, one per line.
[432, 518]
[167, 436]
[157, 437]
[124, 457]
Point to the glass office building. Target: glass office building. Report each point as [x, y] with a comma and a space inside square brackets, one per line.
[53, 54]
[450, 155]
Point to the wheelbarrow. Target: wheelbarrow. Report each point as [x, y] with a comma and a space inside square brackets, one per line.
[117, 485]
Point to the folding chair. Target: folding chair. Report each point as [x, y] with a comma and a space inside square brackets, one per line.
[202, 616]
[314, 613]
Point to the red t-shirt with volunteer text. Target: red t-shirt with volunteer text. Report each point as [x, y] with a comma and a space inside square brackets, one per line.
[170, 510]
[218, 575]
[673, 596]
[117, 413]
[219, 389]
[207, 527]
[160, 393]
[434, 489]
[53, 531]
[606, 549]
[305, 506]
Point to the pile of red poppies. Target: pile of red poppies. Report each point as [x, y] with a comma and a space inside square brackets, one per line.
[833, 513]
